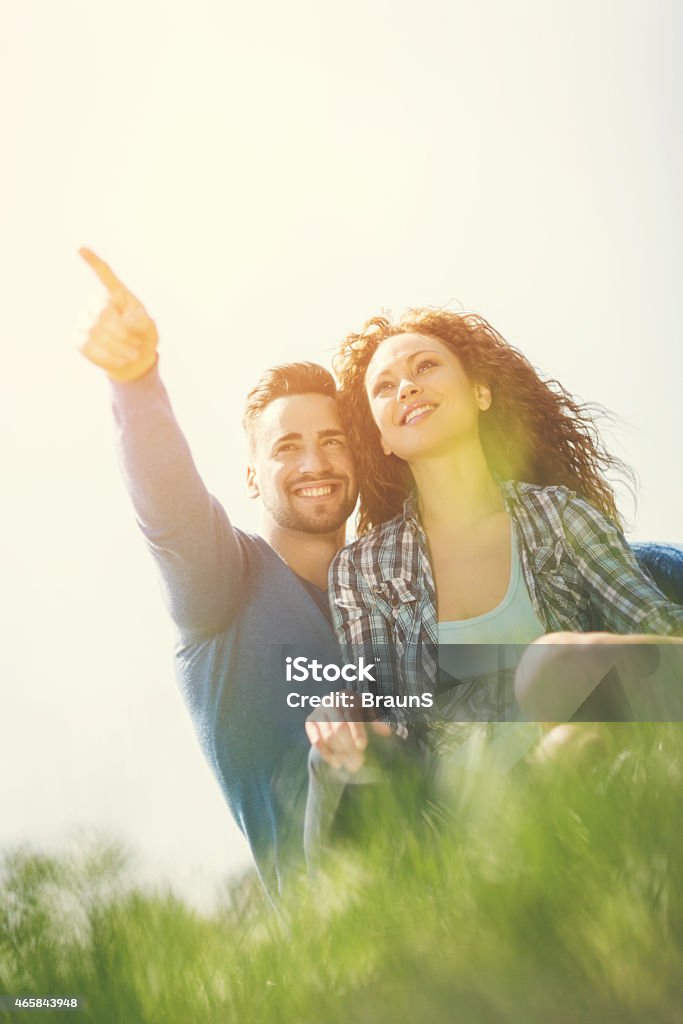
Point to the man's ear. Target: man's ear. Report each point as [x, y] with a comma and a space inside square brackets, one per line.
[252, 483]
[483, 395]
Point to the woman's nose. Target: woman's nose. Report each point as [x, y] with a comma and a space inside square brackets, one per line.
[407, 389]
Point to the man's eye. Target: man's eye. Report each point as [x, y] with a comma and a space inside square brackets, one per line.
[336, 442]
[284, 448]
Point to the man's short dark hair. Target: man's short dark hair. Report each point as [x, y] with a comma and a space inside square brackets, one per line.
[283, 381]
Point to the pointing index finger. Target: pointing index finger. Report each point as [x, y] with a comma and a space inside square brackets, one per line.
[104, 273]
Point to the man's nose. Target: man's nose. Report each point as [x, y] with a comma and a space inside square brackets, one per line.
[314, 459]
[407, 389]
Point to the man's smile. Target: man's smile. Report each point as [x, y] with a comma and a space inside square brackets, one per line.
[317, 491]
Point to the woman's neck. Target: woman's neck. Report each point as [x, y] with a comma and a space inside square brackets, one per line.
[455, 489]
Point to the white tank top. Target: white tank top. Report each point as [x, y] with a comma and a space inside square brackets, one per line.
[480, 655]
[513, 621]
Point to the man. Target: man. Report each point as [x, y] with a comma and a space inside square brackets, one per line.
[237, 599]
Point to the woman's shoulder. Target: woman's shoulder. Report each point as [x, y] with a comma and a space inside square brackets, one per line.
[553, 501]
[556, 494]
[558, 507]
[368, 547]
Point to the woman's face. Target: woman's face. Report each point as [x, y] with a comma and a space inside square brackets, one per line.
[421, 398]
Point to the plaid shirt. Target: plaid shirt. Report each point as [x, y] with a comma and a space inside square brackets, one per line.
[580, 573]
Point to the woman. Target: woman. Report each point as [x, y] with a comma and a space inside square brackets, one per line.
[485, 517]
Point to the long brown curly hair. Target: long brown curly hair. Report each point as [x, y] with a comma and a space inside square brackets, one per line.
[534, 430]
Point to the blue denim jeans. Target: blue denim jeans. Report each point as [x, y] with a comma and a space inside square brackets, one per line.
[664, 562]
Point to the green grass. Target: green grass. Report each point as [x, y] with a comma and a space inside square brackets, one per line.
[548, 895]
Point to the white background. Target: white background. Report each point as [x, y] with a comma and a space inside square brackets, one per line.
[265, 177]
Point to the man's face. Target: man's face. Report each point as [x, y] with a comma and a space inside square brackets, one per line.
[301, 466]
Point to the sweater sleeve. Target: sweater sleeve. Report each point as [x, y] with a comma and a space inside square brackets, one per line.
[196, 549]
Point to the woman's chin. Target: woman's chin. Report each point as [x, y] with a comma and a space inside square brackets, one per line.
[423, 446]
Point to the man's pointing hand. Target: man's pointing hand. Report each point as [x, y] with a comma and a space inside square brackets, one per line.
[123, 339]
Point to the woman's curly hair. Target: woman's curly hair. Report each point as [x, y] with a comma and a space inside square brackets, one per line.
[534, 430]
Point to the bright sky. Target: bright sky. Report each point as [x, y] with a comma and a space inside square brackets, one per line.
[265, 177]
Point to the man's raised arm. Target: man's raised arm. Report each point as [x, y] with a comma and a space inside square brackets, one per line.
[186, 529]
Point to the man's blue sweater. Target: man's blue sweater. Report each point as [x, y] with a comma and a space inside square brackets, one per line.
[238, 609]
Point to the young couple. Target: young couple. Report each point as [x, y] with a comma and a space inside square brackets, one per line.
[444, 421]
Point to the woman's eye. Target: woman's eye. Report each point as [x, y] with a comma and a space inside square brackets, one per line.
[425, 365]
[382, 387]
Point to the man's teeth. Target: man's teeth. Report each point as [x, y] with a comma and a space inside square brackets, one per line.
[418, 412]
[315, 492]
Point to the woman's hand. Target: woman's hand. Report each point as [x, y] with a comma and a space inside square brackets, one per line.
[340, 735]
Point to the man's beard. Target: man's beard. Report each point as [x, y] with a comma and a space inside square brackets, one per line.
[316, 520]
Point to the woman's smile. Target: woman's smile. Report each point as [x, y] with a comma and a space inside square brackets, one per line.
[416, 412]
